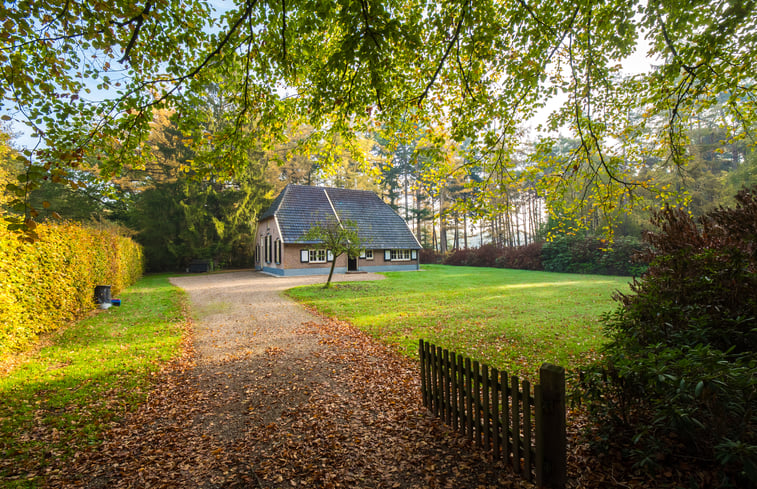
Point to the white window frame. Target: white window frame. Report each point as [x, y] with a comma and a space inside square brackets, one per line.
[268, 248]
[400, 255]
[368, 255]
[277, 251]
[317, 255]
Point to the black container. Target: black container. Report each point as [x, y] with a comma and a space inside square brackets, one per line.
[102, 296]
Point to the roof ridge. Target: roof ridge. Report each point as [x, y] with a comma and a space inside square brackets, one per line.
[333, 209]
[330, 188]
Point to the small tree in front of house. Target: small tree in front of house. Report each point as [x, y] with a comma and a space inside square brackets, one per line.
[336, 237]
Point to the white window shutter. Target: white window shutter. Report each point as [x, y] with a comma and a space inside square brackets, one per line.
[330, 256]
[414, 254]
[387, 255]
[304, 256]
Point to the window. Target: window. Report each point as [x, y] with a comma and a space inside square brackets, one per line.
[400, 255]
[369, 254]
[277, 251]
[317, 256]
[268, 249]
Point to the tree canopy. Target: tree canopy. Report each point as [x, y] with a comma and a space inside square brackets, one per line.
[86, 78]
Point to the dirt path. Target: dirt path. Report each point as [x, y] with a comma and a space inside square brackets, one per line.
[272, 397]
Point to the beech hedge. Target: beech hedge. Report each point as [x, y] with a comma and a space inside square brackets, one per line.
[48, 283]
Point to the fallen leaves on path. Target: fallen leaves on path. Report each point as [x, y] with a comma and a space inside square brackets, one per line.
[342, 412]
[346, 414]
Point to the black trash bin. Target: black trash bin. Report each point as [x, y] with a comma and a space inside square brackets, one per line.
[102, 296]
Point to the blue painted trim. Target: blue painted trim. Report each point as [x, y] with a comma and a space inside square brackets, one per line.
[390, 268]
[299, 272]
[272, 271]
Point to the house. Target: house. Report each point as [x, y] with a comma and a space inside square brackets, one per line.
[388, 243]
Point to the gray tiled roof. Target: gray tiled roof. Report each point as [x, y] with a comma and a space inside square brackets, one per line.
[299, 207]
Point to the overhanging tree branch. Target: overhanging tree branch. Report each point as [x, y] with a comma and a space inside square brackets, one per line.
[138, 19]
[447, 50]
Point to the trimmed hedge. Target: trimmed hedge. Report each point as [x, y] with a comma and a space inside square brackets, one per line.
[51, 282]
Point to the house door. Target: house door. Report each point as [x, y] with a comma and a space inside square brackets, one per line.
[351, 264]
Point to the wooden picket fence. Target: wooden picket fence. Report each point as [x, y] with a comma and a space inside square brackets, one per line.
[525, 428]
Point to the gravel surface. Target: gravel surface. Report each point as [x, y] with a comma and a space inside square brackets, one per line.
[245, 313]
[243, 322]
[272, 396]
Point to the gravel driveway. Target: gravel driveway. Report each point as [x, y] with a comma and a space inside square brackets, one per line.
[245, 313]
[271, 396]
[247, 333]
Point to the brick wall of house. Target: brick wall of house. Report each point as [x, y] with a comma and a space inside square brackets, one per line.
[290, 257]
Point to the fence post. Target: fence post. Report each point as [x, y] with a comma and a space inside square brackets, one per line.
[553, 433]
[447, 384]
[422, 357]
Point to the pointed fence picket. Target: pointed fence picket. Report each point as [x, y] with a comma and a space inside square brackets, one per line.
[499, 412]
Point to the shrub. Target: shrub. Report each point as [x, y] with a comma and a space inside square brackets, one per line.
[527, 257]
[485, 256]
[459, 257]
[429, 256]
[48, 283]
[680, 373]
[590, 254]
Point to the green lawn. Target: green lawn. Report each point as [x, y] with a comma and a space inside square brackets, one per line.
[510, 319]
[91, 374]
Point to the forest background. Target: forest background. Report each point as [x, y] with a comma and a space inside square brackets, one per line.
[178, 216]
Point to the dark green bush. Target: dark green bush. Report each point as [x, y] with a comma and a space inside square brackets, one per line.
[590, 254]
[679, 377]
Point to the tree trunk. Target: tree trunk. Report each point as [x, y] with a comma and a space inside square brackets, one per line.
[442, 230]
[331, 273]
[516, 226]
[418, 213]
[465, 230]
[433, 235]
[407, 198]
[456, 240]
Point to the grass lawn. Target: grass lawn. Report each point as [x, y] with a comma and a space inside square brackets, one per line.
[510, 319]
[61, 398]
